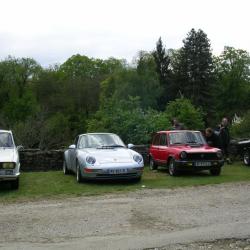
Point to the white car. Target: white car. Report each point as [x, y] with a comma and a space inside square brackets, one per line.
[9, 159]
[102, 156]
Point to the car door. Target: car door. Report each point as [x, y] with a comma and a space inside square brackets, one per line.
[155, 146]
[163, 148]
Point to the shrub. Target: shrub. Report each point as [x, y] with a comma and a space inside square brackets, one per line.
[186, 113]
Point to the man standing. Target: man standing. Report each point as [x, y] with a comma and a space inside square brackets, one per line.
[225, 138]
[212, 138]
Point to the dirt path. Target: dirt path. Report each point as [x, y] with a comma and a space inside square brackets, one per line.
[160, 219]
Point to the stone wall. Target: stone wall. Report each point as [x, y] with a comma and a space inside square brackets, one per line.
[38, 160]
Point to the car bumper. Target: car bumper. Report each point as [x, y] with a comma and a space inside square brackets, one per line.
[113, 173]
[196, 166]
[9, 177]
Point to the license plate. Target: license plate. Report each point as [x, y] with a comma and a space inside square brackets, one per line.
[117, 171]
[203, 164]
[6, 172]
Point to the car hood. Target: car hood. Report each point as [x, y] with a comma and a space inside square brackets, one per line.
[201, 149]
[119, 155]
[8, 155]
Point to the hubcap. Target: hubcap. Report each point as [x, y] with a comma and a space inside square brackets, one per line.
[246, 158]
[171, 168]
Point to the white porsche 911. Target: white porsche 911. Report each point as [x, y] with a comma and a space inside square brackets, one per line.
[102, 156]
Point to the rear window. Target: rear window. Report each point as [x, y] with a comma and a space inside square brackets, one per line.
[163, 140]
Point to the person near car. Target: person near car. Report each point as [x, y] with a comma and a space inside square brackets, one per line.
[212, 138]
[225, 138]
[176, 125]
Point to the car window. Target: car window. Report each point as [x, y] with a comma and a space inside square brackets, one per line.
[163, 140]
[186, 137]
[100, 140]
[6, 140]
[156, 139]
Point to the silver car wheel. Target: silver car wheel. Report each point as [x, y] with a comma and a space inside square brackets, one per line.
[78, 174]
[246, 158]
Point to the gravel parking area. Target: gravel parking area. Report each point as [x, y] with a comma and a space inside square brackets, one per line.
[204, 217]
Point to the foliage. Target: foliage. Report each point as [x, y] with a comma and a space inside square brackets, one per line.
[131, 82]
[162, 61]
[233, 82]
[193, 70]
[186, 113]
[127, 119]
[242, 129]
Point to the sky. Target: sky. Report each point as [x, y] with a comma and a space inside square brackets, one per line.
[51, 31]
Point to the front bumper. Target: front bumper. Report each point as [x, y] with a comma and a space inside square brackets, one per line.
[198, 165]
[113, 173]
[11, 177]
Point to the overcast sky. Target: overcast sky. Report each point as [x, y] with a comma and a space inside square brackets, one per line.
[50, 31]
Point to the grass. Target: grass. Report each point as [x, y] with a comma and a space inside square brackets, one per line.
[45, 185]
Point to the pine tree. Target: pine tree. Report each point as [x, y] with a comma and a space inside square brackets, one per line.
[162, 61]
[193, 69]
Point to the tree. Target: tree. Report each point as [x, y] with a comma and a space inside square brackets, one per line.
[233, 81]
[185, 112]
[193, 69]
[162, 61]
[128, 120]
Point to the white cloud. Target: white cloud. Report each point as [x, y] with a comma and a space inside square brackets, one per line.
[51, 31]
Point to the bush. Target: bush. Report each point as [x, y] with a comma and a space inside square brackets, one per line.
[186, 113]
[129, 121]
[242, 129]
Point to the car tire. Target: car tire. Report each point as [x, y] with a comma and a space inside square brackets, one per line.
[152, 164]
[65, 168]
[15, 184]
[172, 168]
[215, 171]
[79, 178]
[246, 158]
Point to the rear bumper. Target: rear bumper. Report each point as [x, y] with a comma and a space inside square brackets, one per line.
[194, 166]
[9, 177]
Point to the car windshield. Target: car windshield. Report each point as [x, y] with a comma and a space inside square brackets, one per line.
[100, 141]
[186, 137]
[6, 140]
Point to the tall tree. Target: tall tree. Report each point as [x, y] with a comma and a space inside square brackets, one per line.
[162, 61]
[193, 69]
[233, 81]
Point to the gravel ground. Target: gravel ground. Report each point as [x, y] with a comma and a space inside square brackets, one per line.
[205, 217]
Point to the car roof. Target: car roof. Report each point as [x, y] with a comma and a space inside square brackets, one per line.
[5, 131]
[98, 134]
[175, 131]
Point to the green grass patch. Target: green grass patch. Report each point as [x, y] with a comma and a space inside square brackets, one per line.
[44, 185]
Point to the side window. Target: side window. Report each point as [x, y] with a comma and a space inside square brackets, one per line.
[156, 140]
[163, 140]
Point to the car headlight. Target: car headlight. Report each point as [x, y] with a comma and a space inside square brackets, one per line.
[8, 165]
[91, 160]
[219, 154]
[183, 155]
[137, 158]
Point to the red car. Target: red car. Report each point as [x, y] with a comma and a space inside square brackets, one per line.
[184, 150]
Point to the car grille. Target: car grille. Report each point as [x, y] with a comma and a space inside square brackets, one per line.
[202, 156]
[116, 176]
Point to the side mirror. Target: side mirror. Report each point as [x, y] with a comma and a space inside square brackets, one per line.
[130, 145]
[73, 146]
[20, 147]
